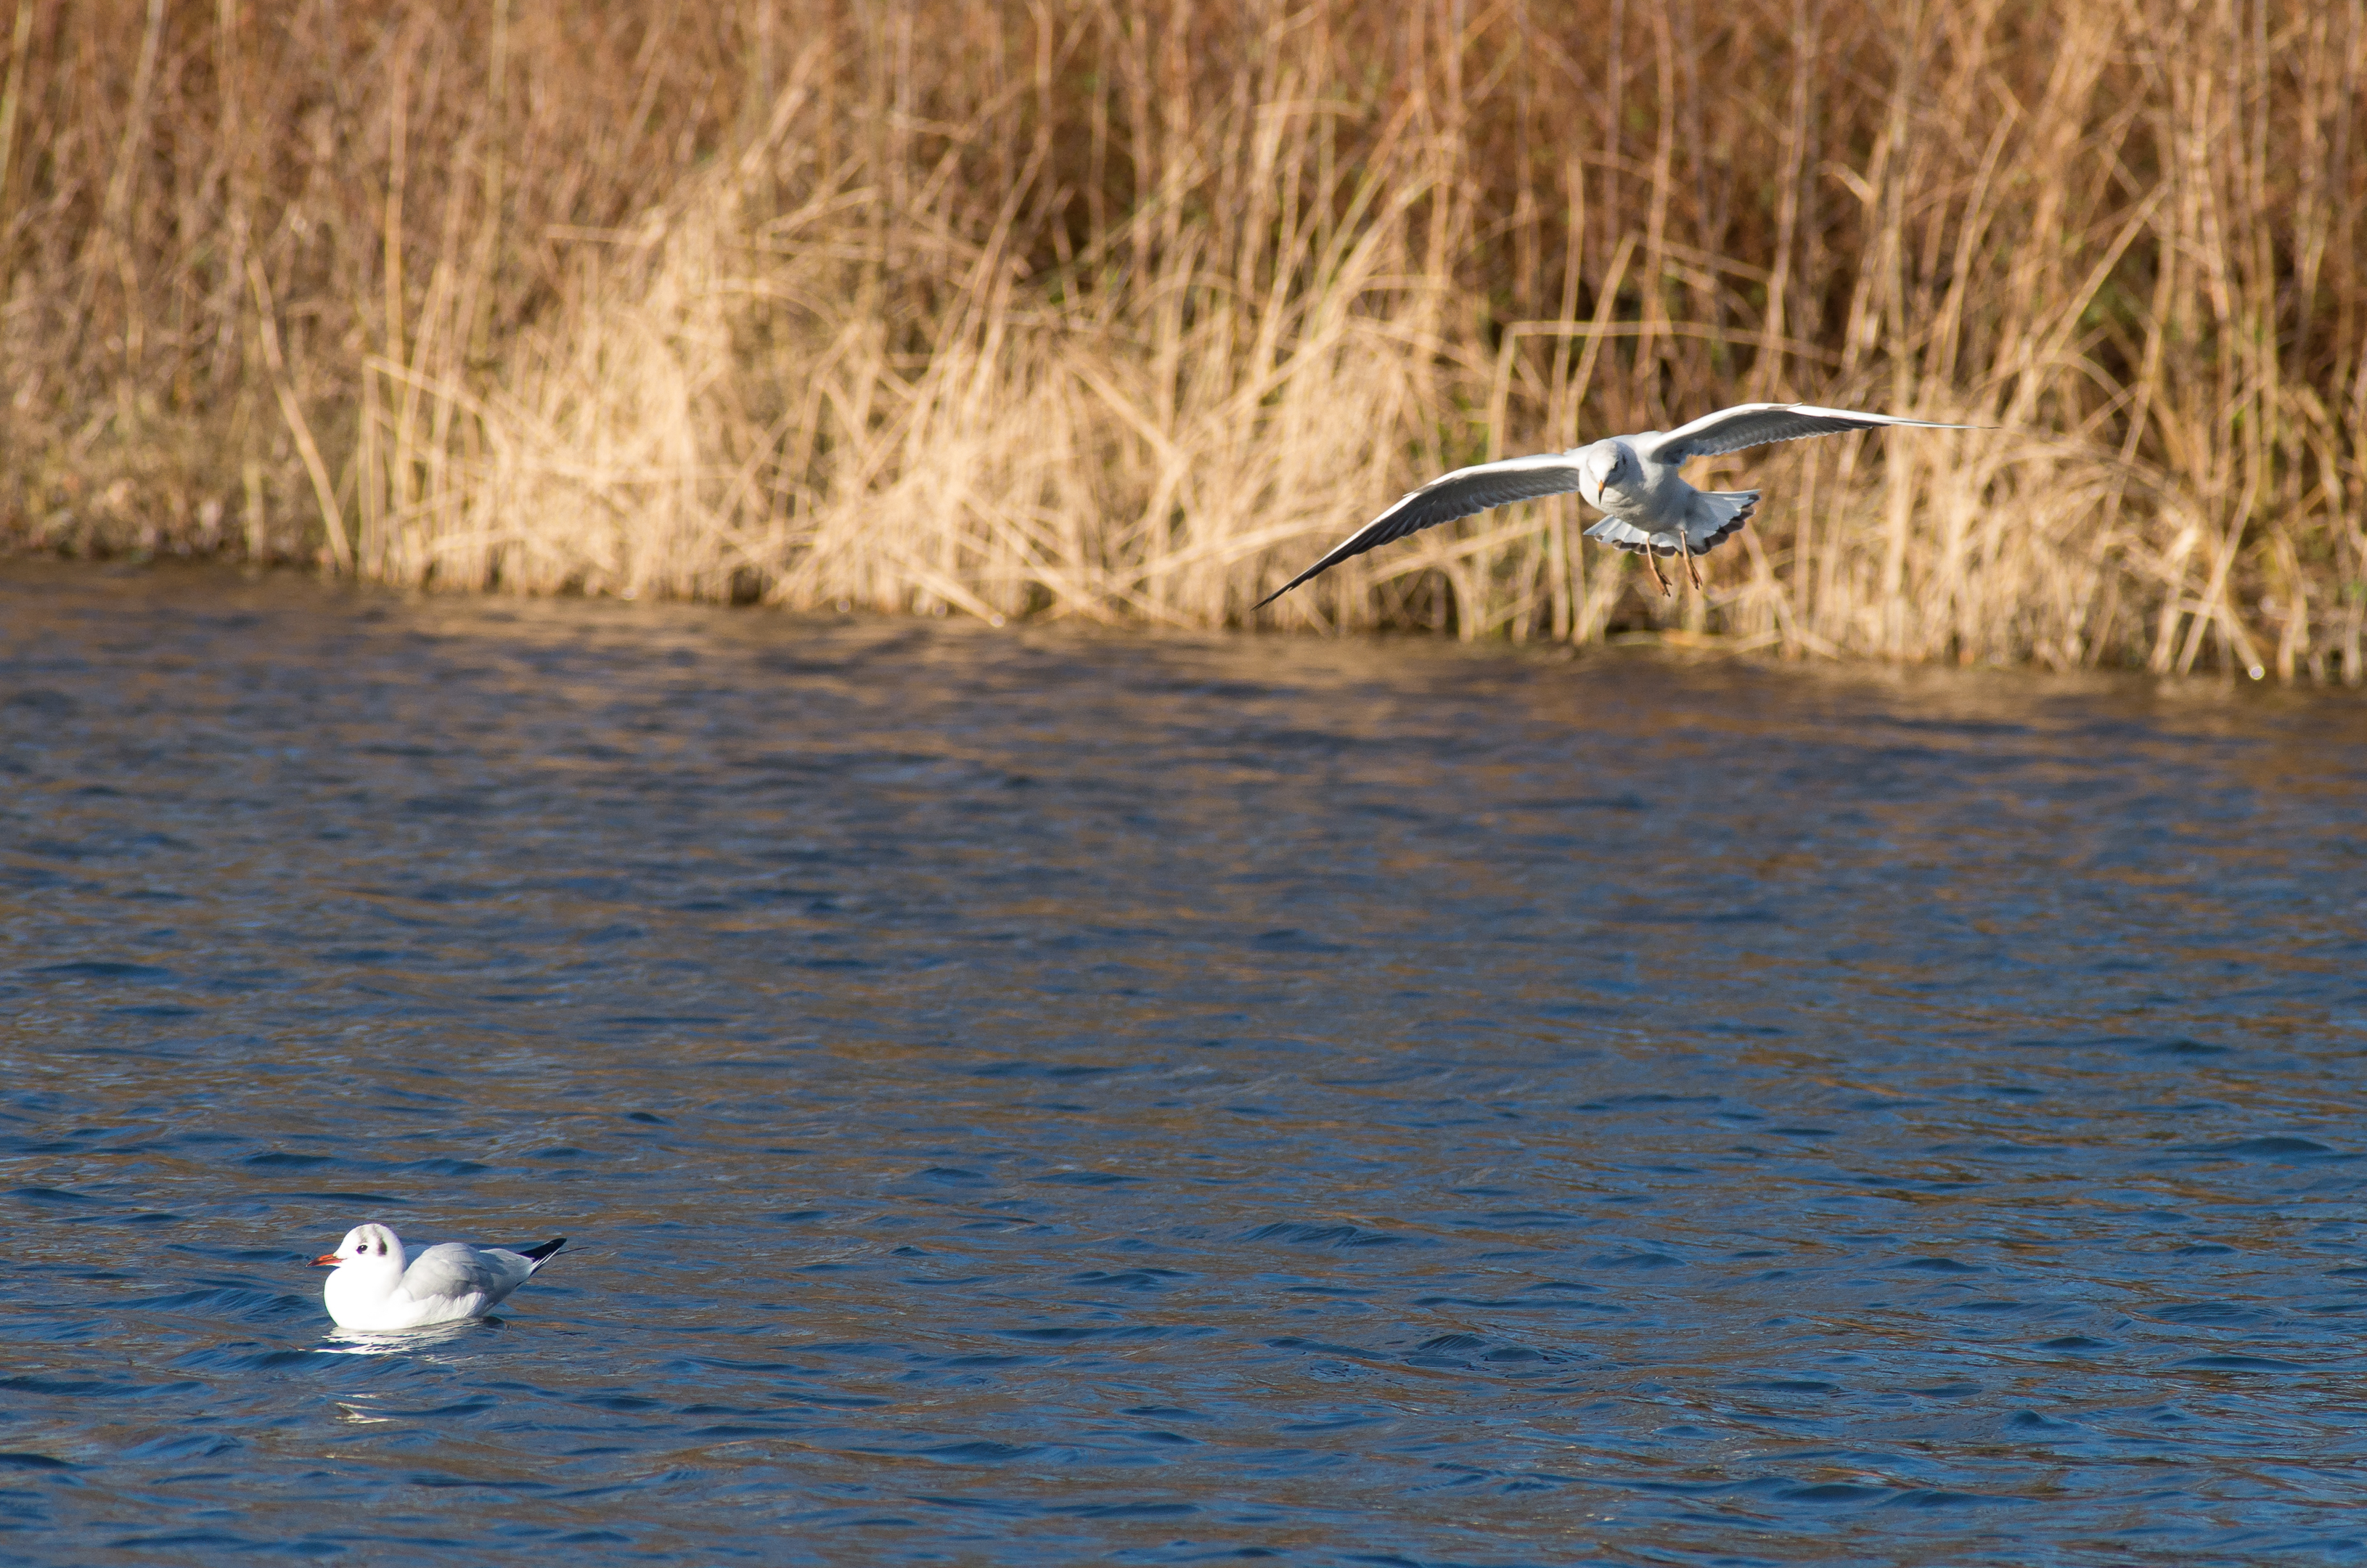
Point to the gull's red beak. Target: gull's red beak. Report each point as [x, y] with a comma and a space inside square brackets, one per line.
[327, 1260]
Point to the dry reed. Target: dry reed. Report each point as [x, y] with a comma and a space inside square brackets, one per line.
[1123, 310]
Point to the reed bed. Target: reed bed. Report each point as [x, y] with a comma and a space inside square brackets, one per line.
[1122, 310]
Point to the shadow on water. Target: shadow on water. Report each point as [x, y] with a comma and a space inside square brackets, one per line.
[1035, 1096]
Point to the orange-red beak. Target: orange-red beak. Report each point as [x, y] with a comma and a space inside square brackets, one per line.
[327, 1260]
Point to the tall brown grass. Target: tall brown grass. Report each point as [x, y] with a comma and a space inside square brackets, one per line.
[1124, 309]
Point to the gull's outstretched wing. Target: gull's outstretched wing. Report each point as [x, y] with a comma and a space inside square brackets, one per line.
[1758, 424]
[1458, 494]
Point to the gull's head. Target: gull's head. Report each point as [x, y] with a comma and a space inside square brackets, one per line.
[371, 1246]
[1605, 465]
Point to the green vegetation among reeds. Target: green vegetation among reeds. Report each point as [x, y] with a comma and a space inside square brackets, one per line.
[1126, 308]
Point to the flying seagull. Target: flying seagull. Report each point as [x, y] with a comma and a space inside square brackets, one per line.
[376, 1290]
[1632, 479]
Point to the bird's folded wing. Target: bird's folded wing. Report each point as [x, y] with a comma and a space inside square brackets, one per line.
[456, 1269]
[1458, 494]
[1760, 424]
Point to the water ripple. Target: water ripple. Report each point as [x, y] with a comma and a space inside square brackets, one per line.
[1036, 1096]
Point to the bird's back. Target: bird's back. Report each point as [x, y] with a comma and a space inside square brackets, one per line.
[455, 1270]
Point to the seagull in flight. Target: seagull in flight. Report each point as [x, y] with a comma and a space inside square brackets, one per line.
[377, 1289]
[1633, 479]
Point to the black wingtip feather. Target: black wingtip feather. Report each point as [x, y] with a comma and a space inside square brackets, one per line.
[545, 1250]
[1328, 561]
[1356, 544]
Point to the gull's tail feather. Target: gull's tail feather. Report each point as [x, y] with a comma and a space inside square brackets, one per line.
[1626, 535]
[1715, 514]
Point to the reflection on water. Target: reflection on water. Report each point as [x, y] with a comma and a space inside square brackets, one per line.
[1035, 1096]
[408, 1341]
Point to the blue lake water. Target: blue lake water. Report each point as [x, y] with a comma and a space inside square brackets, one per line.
[1036, 1095]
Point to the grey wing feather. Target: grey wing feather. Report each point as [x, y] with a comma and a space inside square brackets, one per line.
[1457, 495]
[456, 1269]
[1762, 424]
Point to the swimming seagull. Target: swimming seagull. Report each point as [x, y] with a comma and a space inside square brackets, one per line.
[1632, 479]
[373, 1290]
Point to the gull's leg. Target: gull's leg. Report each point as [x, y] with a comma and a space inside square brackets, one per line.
[1685, 547]
[1651, 560]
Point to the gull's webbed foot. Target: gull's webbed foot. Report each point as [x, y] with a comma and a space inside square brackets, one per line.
[1652, 561]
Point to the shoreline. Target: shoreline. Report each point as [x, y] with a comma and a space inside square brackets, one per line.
[1641, 646]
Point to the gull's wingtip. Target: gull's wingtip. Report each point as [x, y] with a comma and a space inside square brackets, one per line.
[1880, 419]
[1302, 577]
[1932, 423]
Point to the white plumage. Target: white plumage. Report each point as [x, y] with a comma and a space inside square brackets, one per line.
[375, 1288]
[1632, 480]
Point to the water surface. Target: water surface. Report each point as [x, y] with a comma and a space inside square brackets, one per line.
[1041, 1097]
